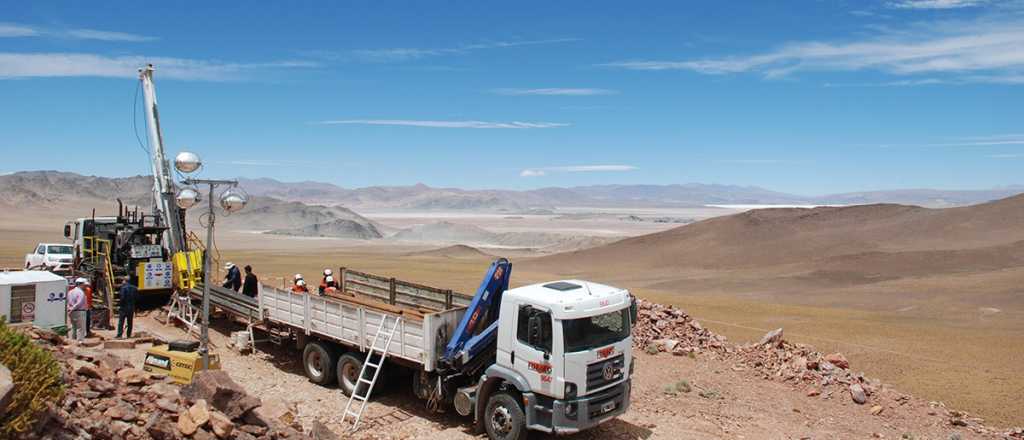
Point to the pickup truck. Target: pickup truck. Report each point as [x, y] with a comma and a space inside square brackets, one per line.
[54, 257]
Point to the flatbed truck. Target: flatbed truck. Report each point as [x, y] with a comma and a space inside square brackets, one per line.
[554, 357]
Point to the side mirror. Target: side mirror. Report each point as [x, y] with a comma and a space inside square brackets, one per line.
[633, 309]
[67, 231]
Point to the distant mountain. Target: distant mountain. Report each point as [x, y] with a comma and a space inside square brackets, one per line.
[340, 228]
[932, 198]
[423, 197]
[42, 187]
[45, 188]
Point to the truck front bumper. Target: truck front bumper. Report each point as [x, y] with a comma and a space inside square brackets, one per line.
[571, 416]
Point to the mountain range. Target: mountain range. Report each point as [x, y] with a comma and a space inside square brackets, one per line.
[50, 186]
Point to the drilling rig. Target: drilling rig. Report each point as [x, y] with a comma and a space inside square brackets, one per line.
[150, 249]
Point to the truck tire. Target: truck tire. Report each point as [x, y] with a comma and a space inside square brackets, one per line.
[504, 418]
[318, 360]
[349, 366]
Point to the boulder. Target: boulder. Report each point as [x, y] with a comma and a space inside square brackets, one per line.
[101, 386]
[221, 424]
[271, 413]
[168, 405]
[200, 413]
[83, 368]
[220, 392]
[857, 394]
[667, 344]
[6, 388]
[772, 338]
[185, 424]
[838, 360]
[121, 411]
[132, 376]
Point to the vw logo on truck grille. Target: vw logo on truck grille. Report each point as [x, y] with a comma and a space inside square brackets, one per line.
[609, 372]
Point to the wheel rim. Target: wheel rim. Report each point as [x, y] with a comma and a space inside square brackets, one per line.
[314, 364]
[350, 373]
[501, 420]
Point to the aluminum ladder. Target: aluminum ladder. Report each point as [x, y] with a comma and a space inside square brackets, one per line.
[368, 363]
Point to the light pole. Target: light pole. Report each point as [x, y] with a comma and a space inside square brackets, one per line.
[230, 201]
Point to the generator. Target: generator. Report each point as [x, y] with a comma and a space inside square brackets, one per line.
[180, 366]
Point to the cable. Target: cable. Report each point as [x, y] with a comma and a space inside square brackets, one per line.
[135, 120]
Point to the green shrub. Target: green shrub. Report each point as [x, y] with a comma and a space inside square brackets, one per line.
[37, 381]
[652, 349]
[683, 386]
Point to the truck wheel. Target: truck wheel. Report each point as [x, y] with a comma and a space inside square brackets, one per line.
[318, 360]
[504, 418]
[349, 366]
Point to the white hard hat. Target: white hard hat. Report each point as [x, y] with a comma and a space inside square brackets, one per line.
[330, 278]
[81, 281]
[229, 265]
[328, 272]
[298, 276]
[300, 282]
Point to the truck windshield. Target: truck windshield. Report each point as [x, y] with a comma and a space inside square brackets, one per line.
[58, 249]
[589, 333]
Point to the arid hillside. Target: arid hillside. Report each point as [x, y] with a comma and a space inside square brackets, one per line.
[869, 237]
[923, 297]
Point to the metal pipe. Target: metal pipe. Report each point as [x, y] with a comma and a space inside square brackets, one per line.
[204, 341]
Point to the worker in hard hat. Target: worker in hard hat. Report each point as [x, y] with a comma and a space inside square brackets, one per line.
[299, 284]
[233, 279]
[76, 310]
[87, 289]
[328, 283]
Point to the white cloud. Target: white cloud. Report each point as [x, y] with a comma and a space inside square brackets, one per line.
[16, 30]
[543, 171]
[19, 30]
[92, 34]
[936, 4]
[30, 65]
[980, 51]
[446, 124]
[407, 53]
[555, 92]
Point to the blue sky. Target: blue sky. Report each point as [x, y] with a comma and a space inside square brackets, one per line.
[808, 97]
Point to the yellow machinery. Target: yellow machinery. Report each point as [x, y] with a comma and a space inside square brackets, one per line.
[180, 366]
[188, 269]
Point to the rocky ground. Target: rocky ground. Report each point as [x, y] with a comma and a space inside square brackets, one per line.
[689, 384]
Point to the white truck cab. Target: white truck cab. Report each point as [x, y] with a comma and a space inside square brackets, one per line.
[54, 257]
[569, 344]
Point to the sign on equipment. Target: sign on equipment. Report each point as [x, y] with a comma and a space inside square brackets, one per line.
[147, 251]
[156, 275]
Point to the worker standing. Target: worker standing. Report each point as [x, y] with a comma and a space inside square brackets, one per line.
[233, 280]
[87, 290]
[251, 287]
[299, 285]
[76, 310]
[128, 296]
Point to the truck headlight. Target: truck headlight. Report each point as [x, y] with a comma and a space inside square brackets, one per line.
[570, 392]
[570, 410]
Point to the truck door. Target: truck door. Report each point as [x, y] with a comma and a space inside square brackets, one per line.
[532, 348]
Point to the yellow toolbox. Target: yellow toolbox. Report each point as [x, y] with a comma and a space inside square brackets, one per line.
[178, 365]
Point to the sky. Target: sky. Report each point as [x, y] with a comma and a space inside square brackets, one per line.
[805, 97]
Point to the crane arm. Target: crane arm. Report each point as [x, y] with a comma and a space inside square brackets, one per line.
[479, 326]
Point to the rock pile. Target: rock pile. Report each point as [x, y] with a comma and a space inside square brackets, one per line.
[107, 398]
[660, 328]
[669, 329]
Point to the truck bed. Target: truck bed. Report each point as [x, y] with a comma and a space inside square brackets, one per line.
[352, 316]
